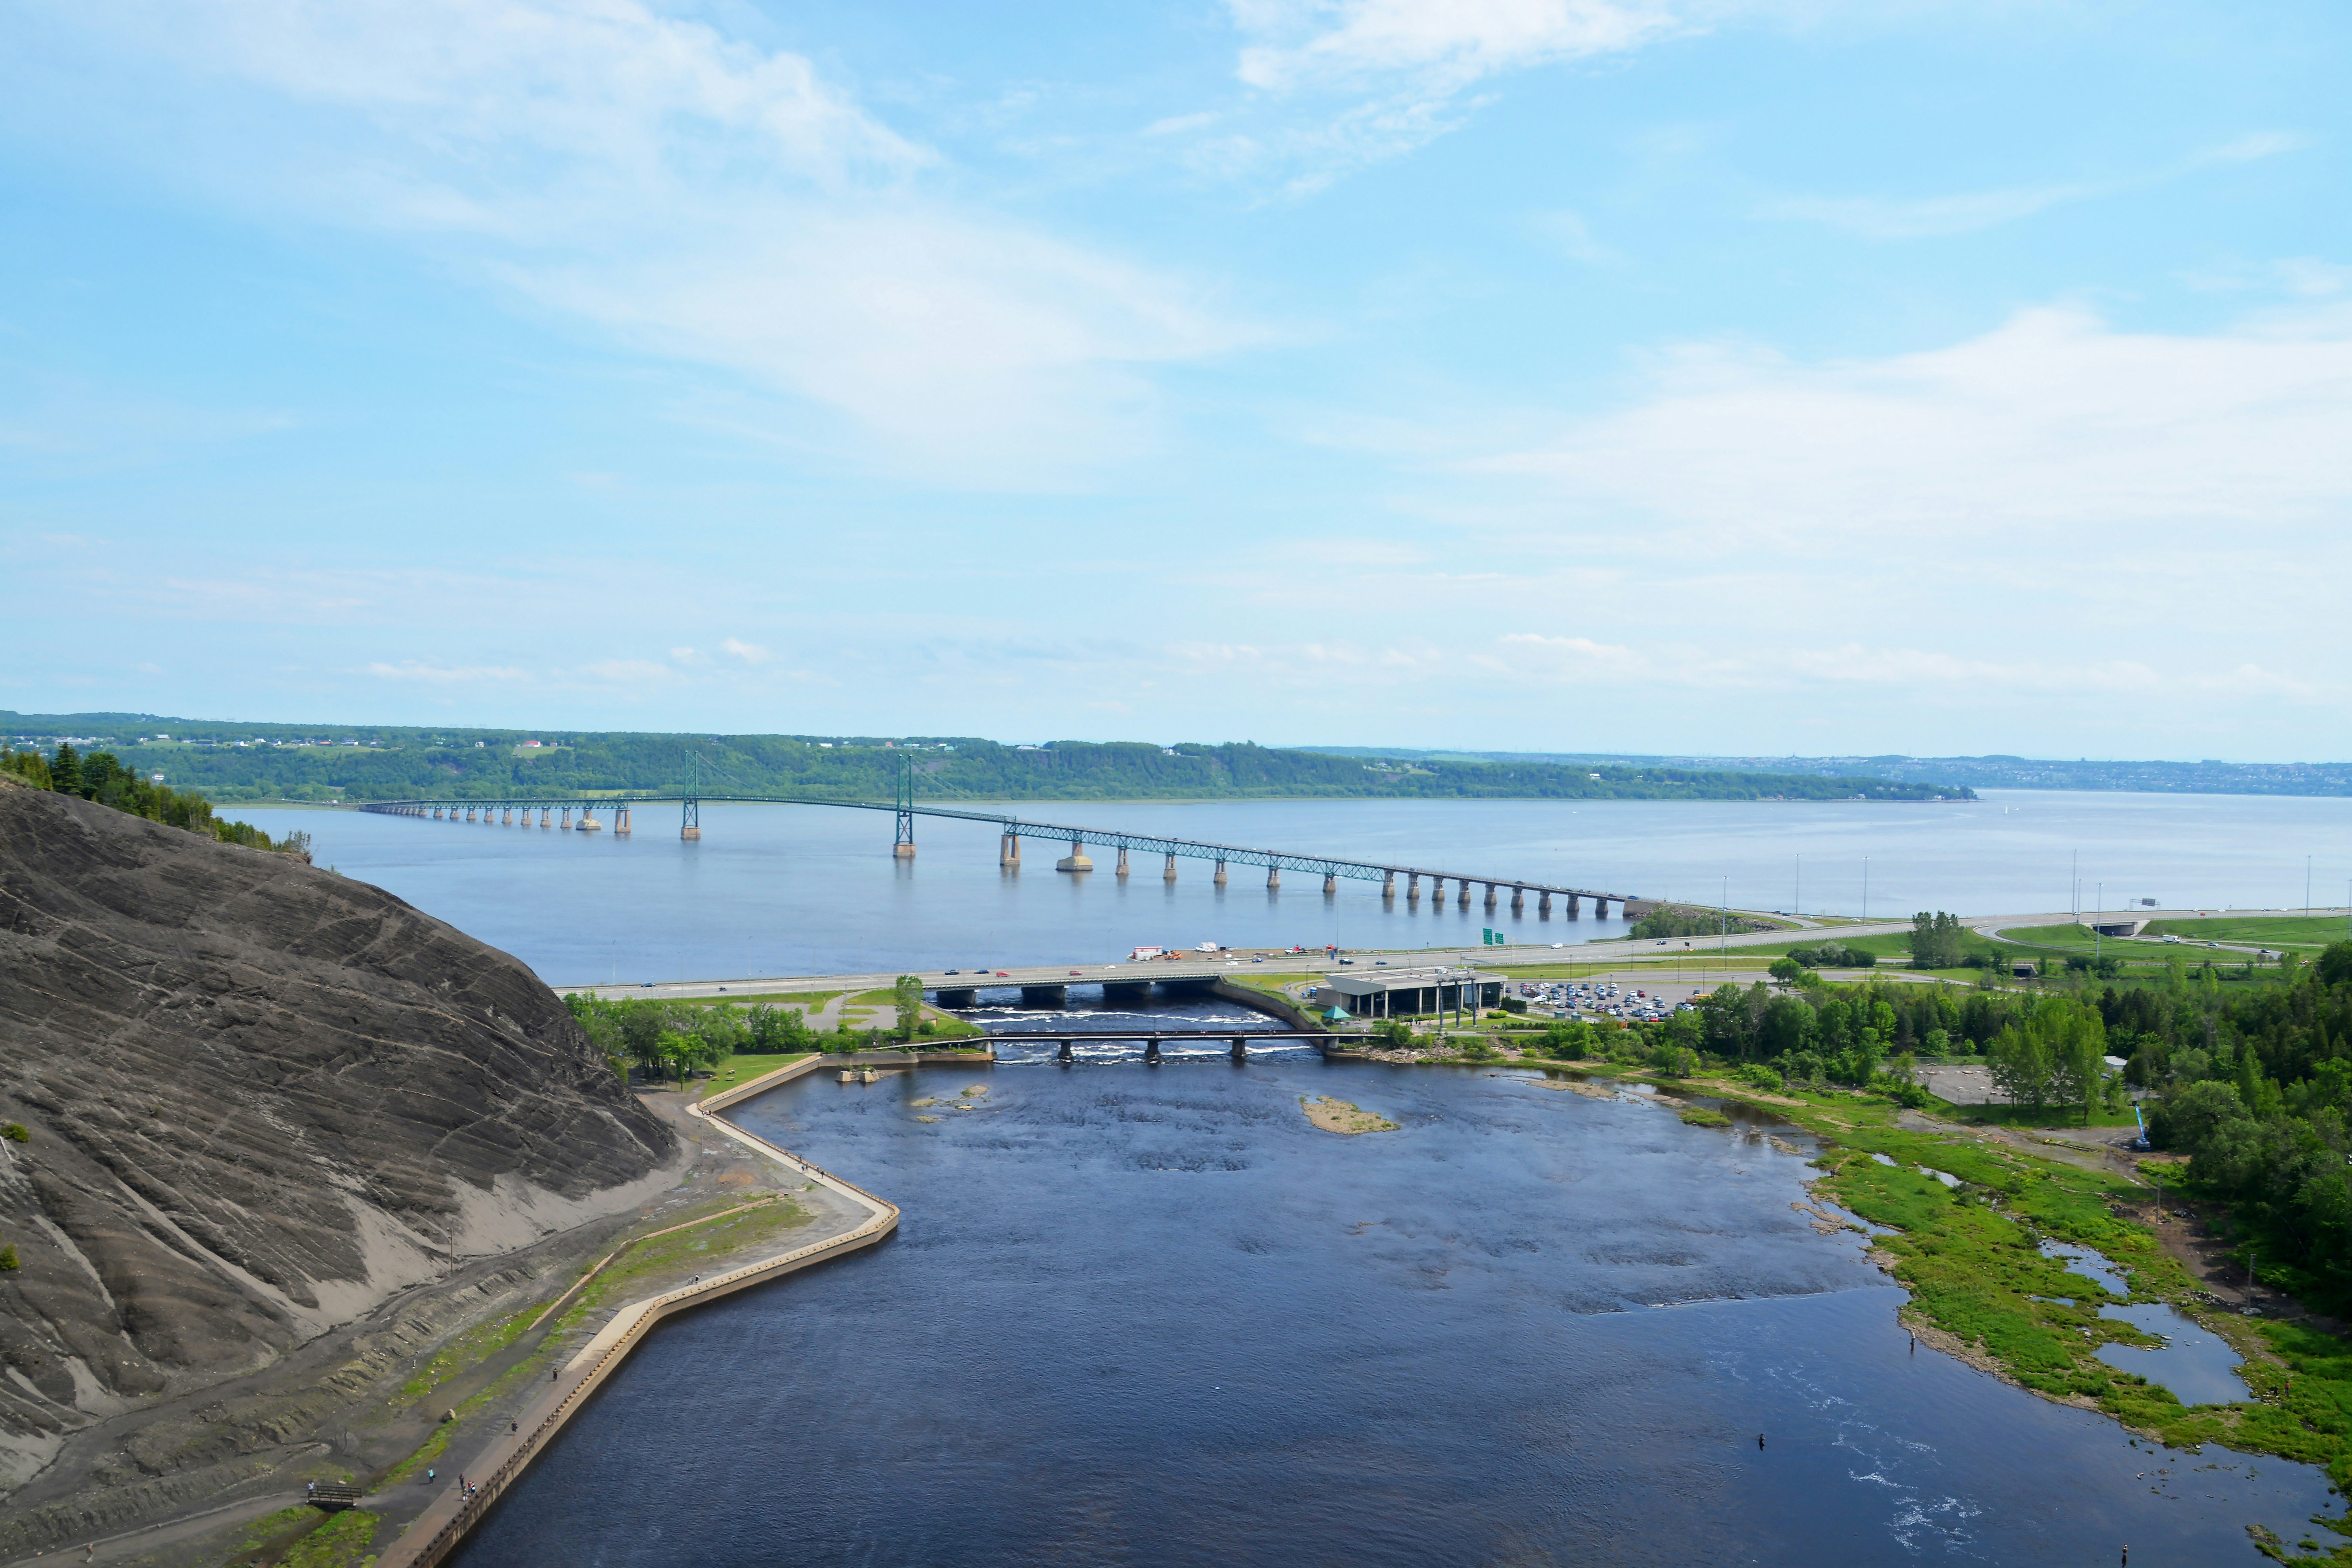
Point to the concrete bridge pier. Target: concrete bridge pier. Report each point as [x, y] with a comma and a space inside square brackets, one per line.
[1274, 878]
[509, 820]
[1062, 1055]
[954, 997]
[1044, 996]
[1600, 908]
[1465, 892]
[437, 813]
[1518, 900]
[1412, 888]
[621, 821]
[567, 819]
[1241, 1049]
[546, 817]
[1388, 886]
[470, 814]
[1170, 874]
[1219, 878]
[1330, 884]
[588, 823]
[1490, 898]
[1076, 860]
[1127, 990]
[1151, 1052]
[1575, 907]
[1543, 905]
[1008, 852]
[1122, 862]
[1437, 892]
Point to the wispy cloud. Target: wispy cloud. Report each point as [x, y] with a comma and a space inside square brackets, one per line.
[425, 674]
[698, 196]
[1937, 217]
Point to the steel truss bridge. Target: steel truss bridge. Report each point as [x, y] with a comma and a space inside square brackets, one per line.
[579, 814]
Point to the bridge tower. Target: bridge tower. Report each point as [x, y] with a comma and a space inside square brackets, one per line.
[904, 847]
[690, 815]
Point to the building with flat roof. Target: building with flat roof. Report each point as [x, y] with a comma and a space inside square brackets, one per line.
[1411, 993]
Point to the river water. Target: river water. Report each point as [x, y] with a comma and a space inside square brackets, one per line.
[1150, 1316]
[800, 890]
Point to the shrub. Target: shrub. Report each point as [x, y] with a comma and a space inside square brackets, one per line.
[8, 1257]
[1759, 1075]
[16, 1133]
[1675, 1061]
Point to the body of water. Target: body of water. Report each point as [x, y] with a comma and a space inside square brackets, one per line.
[1150, 1315]
[801, 890]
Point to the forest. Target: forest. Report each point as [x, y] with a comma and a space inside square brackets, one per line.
[101, 777]
[344, 763]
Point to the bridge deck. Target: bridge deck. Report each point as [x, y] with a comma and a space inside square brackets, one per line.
[1019, 827]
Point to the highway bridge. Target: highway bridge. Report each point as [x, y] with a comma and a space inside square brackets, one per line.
[578, 814]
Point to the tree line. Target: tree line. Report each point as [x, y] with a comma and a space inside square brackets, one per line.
[416, 765]
[102, 777]
[668, 1040]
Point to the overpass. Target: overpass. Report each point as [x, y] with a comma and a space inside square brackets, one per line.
[576, 814]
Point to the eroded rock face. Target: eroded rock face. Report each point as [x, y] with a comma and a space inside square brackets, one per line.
[261, 1098]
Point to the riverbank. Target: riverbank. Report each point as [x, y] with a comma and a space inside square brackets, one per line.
[1971, 1253]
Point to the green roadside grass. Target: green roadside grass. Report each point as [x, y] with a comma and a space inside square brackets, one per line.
[738, 1070]
[1970, 1260]
[2311, 933]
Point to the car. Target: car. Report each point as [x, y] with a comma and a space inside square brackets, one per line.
[1261, 959]
[723, 988]
[1005, 974]
[1346, 961]
[645, 984]
[955, 971]
[1074, 971]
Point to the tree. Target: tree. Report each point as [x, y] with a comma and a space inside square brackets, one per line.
[2020, 1060]
[909, 995]
[65, 770]
[1935, 941]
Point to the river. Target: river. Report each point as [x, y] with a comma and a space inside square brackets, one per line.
[773, 890]
[1149, 1315]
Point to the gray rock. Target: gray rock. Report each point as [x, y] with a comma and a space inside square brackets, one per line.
[262, 1098]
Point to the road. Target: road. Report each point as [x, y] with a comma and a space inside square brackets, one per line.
[1203, 966]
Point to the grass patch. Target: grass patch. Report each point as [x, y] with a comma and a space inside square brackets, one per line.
[705, 1249]
[435, 1445]
[340, 1542]
[2310, 932]
[2036, 1116]
[738, 1070]
[1700, 1116]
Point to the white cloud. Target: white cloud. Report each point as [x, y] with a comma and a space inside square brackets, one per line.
[1406, 70]
[750, 653]
[700, 197]
[2053, 419]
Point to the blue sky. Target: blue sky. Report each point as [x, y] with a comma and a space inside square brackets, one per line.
[1605, 375]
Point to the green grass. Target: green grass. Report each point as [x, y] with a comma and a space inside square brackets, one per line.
[2037, 1116]
[2310, 933]
[710, 1249]
[738, 1070]
[340, 1542]
[810, 1001]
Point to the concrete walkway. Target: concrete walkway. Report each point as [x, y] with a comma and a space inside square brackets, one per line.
[443, 1524]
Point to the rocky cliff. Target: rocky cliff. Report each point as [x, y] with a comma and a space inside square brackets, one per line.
[257, 1098]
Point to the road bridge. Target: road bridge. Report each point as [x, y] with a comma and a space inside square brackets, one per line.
[581, 815]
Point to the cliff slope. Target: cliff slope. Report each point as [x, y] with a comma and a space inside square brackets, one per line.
[260, 1099]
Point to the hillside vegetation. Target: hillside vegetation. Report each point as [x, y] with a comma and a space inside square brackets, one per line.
[327, 762]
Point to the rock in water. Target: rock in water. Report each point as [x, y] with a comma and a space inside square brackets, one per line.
[260, 1098]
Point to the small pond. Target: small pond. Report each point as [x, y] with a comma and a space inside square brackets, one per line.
[2196, 1363]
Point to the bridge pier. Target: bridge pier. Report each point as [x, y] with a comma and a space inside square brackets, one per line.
[1044, 996]
[1152, 1051]
[954, 997]
[1466, 891]
[508, 821]
[1122, 862]
[1413, 886]
[546, 818]
[1518, 900]
[567, 819]
[1600, 908]
[1437, 892]
[1330, 883]
[621, 823]
[1241, 1049]
[1219, 878]
[1490, 898]
[1064, 1053]
[1273, 879]
[588, 823]
[1543, 905]
[1008, 852]
[1575, 907]
[1127, 990]
[1170, 874]
[1388, 886]
[1076, 860]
